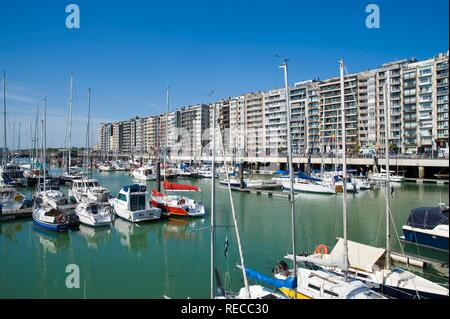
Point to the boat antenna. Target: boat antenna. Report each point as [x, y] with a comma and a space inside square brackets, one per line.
[388, 184]
[5, 147]
[44, 137]
[344, 170]
[284, 66]
[213, 199]
[166, 131]
[87, 153]
[70, 124]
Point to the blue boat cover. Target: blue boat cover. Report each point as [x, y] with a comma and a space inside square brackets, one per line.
[427, 217]
[282, 172]
[302, 175]
[290, 282]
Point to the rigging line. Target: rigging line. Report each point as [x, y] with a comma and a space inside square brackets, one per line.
[381, 215]
[234, 216]
[387, 193]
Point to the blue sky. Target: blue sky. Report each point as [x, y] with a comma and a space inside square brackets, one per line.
[127, 52]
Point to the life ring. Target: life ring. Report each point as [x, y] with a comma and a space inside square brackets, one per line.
[321, 249]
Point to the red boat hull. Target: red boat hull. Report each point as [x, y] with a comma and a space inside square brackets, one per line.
[170, 210]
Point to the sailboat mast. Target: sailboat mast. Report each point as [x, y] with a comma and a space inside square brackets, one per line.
[291, 168]
[344, 170]
[213, 199]
[44, 137]
[18, 142]
[88, 133]
[166, 131]
[388, 184]
[70, 123]
[36, 135]
[31, 137]
[5, 151]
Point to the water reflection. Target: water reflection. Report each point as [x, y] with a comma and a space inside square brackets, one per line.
[182, 228]
[52, 242]
[95, 235]
[9, 229]
[132, 235]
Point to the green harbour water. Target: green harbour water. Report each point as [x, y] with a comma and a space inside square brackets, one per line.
[172, 256]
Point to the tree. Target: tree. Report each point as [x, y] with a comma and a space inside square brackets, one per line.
[393, 148]
[356, 148]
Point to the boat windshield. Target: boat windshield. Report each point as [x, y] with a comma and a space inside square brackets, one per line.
[93, 184]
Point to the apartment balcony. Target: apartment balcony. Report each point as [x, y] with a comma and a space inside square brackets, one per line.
[441, 75]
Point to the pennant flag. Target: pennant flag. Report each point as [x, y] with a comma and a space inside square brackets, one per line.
[226, 247]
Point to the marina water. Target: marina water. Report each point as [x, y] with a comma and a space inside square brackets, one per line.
[171, 256]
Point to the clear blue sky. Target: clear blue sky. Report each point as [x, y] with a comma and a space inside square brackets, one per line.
[127, 51]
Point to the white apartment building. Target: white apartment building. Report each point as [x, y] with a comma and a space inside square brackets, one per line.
[275, 122]
[194, 121]
[255, 124]
[254, 128]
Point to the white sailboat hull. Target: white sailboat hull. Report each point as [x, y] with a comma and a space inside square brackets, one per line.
[309, 188]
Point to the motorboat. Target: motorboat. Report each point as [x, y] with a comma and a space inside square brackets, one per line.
[428, 226]
[88, 190]
[50, 218]
[94, 213]
[119, 166]
[132, 203]
[13, 174]
[106, 168]
[317, 283]
[71, 174]
[205, 172]
[361, 183]
[144, 174]
[11, 199]
[51, 195]
[377, 177]
[175, 205]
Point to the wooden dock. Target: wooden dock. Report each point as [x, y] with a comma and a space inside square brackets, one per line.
[27, 212]
[427, 181]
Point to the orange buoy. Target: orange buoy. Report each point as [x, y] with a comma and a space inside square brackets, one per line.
[321, 249]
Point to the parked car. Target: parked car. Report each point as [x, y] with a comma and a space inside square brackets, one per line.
[367, 152]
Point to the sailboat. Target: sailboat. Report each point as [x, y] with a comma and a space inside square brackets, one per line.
[71, 173]
[174, 205]
[314, 282]
[10, 173]
[307, 184]
[85, 188]
[94, 214]
[248, 291]
[48, 217]
[373, 265]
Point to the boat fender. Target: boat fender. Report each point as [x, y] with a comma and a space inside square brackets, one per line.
[321, 249]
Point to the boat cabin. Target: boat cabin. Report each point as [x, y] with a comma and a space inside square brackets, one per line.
[134, 197]
[85, 183]
[427, 217]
